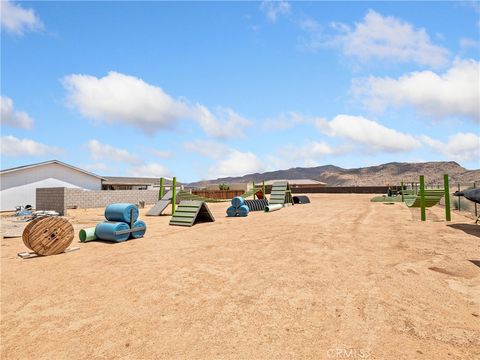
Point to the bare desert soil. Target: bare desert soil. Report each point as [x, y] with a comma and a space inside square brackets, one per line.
[338, 278]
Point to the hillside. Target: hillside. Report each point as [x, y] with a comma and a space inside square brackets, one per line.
[390, 173]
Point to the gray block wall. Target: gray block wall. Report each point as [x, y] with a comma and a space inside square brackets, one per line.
[51, 199]
[61, 199]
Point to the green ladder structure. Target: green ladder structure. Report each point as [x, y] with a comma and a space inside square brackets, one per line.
[281, 193]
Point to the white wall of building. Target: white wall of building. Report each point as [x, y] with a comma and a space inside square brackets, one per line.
[18, 187]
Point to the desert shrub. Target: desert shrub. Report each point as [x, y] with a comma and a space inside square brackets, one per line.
[223, 186]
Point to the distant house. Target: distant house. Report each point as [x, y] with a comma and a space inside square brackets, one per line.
[133, 183]
[19, 184]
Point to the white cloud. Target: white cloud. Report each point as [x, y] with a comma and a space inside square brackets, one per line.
[373, 136]
[150, 170]
[274, 9]
[119, 98]
[10, 117]
[18, 20]
[459, 147]
[12, 146]
[236, 163]
[228, 161]
[466, 43]
[99, 166]
[125, 99]
[454, 93]
[388, 38]
[99, 151]
[308, 154]
[224, 124]
[206, 148]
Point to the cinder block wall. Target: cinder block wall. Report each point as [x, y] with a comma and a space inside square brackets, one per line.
[61, 199]
[84, 199]
[51, 199]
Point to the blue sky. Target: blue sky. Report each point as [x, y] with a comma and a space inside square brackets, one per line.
[209, 89]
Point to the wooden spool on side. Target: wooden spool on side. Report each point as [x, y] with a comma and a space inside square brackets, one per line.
[49, 236]
[26, 231]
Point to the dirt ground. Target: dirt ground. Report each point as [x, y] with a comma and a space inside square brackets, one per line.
[340, 278]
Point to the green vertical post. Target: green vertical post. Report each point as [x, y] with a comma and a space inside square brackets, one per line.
[253, 182]
[160, 192]
[174, 195]
[423, 214]
[446, 188]
[401, 189]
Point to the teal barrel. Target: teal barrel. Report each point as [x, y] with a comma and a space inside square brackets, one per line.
[121, 212]
[106, 231]
[238, 201]
[139, 233]
[231, 211]
[87, 235]
[243, 210]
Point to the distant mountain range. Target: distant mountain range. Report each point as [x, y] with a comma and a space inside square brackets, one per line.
[390, 173]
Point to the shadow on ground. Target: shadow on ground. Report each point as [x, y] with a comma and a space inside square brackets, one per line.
[471, 229]
[475, 262]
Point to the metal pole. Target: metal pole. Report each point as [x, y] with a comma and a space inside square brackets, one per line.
[174, 195]
[160, 193]
[401, 184]
[446, 188]
[422, 198]
[265, 196]
[253, 182]
[476, 211]
[459, 204]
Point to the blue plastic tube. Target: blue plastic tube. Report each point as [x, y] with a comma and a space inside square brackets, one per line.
[106, 231]
[121, 212]
[243, 210]
[231, 211]
[238, 201]
[139, 233]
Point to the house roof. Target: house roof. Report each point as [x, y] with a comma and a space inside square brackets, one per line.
[125, 180]
[47, 163]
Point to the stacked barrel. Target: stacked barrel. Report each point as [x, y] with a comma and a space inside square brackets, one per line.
[238, 207]
[121, 220]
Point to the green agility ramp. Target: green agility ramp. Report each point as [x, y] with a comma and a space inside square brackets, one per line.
[432, 198]
[189, 212]
[281, 193]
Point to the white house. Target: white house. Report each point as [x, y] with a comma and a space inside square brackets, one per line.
[18, 185]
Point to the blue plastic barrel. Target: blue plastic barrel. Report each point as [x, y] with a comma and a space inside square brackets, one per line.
[121, 212]
[238, 201]
[106, 231]
[139, 233]
[243, 210]
[231, 211]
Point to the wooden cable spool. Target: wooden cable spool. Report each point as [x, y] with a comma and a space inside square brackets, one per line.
[48, 235]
